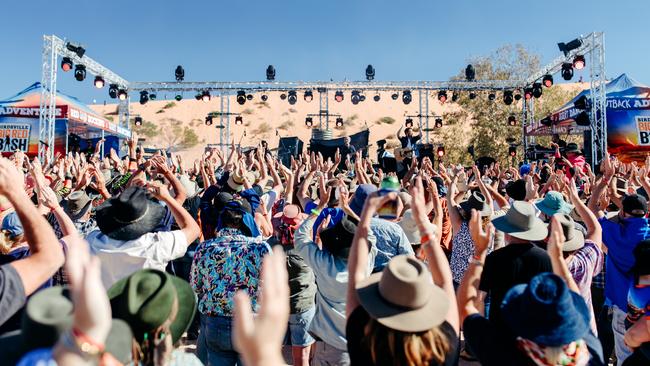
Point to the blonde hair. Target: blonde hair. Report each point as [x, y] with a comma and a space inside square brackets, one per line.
[392, 347]
[7, 243]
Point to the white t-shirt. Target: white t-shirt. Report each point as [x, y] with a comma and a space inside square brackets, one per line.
[122, 258]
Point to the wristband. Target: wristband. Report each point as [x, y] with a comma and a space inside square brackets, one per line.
[425, 238]
[476, 262]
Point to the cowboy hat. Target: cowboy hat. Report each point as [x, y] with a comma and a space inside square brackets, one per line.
[546, 312]
[402, 296]
[574, 239]
[552, 203]
[77, 204]
[337, 239]
[50, 313]
[410, 227]
[129, 215]
[477, 202]
[572, 147]
[146, 299]
[521, 222]
[236, 181]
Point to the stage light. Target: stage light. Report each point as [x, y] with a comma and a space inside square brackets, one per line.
[78, 49]
[537, 90]
[568, 47]
[205, 96]
[581, 103]
[239, 120]
[406, 96]
[470, 73]
[512, 150]
[470, 150]
[547, 80]
[339, 122]
[138, 121]
[356, 97]
[292, 98]
[438, 122]
[179, 73]
[178, 97]
[517, 96]
[144, 97]
[492, 97]
[198, 96]
[546, 121]
[309, 122]
[241, 97]
[362, 98]
[208, 120]
[579, 62]
[99, 82]
[528, 93]
[454, 96]
[66, 64]
[122, 95]
[377, 97]
[270, 73]
[265, 97]
[394, 96]
[309, 96]
[112, 91]
[507, 97]
[249, 97]
[80, 72]
[370, 73]
[472, 95]
[440, 151]
[152, 96]
[512, 120]
[582, 119]
[567, 71]
[338, 96]
[408, 123]
[442, 96]
[283, 96]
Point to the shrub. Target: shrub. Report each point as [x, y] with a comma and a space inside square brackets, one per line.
[169, 105]
[286, 125]
[263, 128]
[385, 120]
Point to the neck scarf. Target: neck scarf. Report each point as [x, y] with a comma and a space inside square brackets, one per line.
[574, 354]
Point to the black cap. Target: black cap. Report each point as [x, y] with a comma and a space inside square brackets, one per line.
[635, 205]
[517, 190]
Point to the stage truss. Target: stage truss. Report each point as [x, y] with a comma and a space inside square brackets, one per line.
[592, 45]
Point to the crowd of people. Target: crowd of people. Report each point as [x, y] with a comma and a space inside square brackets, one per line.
[115, 260]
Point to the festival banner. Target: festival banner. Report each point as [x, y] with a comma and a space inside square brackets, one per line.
[628, 128]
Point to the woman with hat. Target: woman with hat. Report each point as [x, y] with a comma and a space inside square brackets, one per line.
[573, 161]
[400, 316]
[545, 321]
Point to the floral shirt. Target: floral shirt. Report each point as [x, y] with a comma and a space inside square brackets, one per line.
[224, 265]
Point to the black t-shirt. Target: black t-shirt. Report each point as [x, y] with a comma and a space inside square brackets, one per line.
[12, 292]
[511, 265]
[360, 354]
[491, 346]
[409, 142]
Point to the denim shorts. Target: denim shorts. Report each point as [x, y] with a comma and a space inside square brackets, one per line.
[299, 327]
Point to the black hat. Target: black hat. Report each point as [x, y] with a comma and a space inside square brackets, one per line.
[517, 190]
[338, 238]
[129, 215]
[477, 202]
[572, 147]
[77, 204]
[635, 205]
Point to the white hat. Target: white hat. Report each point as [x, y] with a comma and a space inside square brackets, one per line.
[410, 227]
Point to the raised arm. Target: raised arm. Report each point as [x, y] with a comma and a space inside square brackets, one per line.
[454, 215]
[594, 230]
[185, 222]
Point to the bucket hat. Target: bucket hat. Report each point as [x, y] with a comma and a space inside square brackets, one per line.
[521, 222]
[552, 203]
[403, 297]
[77, 204]
[574, 239]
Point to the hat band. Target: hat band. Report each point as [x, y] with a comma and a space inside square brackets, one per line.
[134, 220]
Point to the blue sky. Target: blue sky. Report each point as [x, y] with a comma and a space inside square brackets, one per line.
[308, 40]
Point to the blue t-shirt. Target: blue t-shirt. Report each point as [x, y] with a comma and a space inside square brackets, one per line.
[621, 239]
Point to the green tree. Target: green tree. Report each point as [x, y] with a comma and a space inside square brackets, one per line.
[147, 128]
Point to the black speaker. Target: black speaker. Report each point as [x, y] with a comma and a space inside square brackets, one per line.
[589, 154]
[288, 147]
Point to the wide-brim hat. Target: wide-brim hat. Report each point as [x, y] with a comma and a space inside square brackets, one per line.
[145, 300]
[48, 314]
[546, 312]
[521, 222]
[77, 204]
[337, 239]
[359, 198]
[129, 215]
[553, 203]
[572, 147]
[410, 227]
[290, 215]
[574, 239]
[403, 297]
[236, 182]
[477, 202]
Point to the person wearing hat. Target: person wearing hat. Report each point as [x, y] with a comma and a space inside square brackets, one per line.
[78, 206]
[573, 160]
[620, 238]
[329, 263]
[519, 260]
[407, 314]
[637, 323]
[410, 227]
[391, 239]
[544, 321]
[229, 262]
[125, 240]
[302, 283]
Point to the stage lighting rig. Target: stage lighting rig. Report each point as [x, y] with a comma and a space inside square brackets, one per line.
[528, 93]
[512, 150]
[241, 97]
[99, 82]
[66, 64]
[239, 120]
[144, 97]
[137, 121]
[309, 122]
[406, 97]
[470, 73]
[440, 151]
[355, 98]
[338, 96]
[80, 72]
[454, 96]
[270, 73]
[339, 122]
[112, 91]
[249, 97]
[370, 73]
[517, 96]
[208, 120]
[264, 97]
[152, 96]
[492, 97]
[179, 73]
[292, 98]
[512, 120]
[178, 97]
[537, 90]
[394, 96]
[472, 95]
[122, 94]
[309, 96]
[377, 97]
[408, 123]
[579, 62]
[547, 80]
[283, 96]
[205, 96]
[442, 96]
[198, 96]
[507, 97]
[78, 49]
[438, 122]
[567, 71]
[568, 47]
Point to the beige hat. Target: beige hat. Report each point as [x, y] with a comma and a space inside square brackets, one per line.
[403, 296]
[574, 239]
[410, 227]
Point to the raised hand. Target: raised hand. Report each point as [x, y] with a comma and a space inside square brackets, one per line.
[480, 237]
